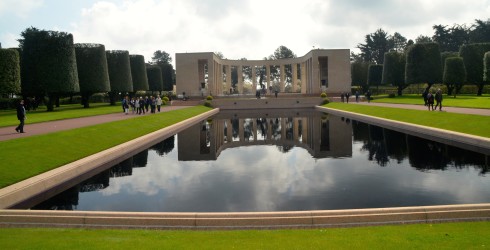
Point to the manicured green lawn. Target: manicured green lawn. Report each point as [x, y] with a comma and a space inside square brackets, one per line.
[464, 101]
[469, 235]
[463, 123]
[9, 117]
[26, 157]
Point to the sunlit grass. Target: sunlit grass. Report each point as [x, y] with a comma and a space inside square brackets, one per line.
[463, 101]
[467, 235]
[26, 157]
[463, 123]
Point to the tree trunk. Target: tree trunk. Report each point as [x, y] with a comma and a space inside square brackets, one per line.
[399, 90]
[50, 104]
[112, 98]
[480, 89]
[450, 89]
[85, 98]
[57, 98]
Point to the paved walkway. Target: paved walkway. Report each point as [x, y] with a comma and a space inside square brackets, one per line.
[7, 133]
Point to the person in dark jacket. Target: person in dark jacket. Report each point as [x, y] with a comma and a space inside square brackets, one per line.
[21, 116]
[438, 98]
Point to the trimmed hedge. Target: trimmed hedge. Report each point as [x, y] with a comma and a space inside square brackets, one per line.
[472, 55]
[423, 64]
[394, 70]
[138, 73]
[375, 74]
[93, 72]
[454, 74]
[486, 67]
[9, 71]
[155, 81]
[119, 71]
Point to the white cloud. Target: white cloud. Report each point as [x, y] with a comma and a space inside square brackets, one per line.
[20, 8]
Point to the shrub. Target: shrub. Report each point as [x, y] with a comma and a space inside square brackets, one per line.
[207, 104]
[209, 98]
[325, 101]
[165, 99]
[323, 95]
[391, 95]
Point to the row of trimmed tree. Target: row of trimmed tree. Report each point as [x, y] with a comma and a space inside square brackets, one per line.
[49, 64]
[424, 63]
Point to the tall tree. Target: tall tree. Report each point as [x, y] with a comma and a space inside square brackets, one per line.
[359, 73]
[450, 39]
[472, 55]
[444, 56]
[423, 64]
[48, 64]
[399, 42]
[394, 70]
[155, 81]
[281, 52]
[92, 70]
[454, 74]
[161, 57]
[480, 32]
[423, 39]
[9, 71]
[164, 61]
[377, 44]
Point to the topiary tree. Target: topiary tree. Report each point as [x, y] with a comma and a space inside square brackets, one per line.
[138, 73]
[48, 64]
[394, 71]
[155, 81]
[486, 67]
[167, 77]
[375, 75]
[423, 64]
[93, 72]
[472, 55]
[9, 71]
[119, 73]
[359, 73]
[454, 74]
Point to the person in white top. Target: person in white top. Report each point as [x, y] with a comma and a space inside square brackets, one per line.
[159, 102]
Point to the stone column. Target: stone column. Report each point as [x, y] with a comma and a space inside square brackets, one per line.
[228, 77]
[283, 79]
[296, 129]
[254, 80]
[240, 79]
[267, 76]
[294, 80]
[303, 78]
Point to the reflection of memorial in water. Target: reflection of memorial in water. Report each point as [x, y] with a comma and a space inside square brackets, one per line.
[322, 135]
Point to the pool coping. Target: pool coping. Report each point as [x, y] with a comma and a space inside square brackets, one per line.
[49, 183]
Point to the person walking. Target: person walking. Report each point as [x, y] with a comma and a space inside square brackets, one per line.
[21, 116]
[438, 98]
[347, 95]
[159, 102]
[153, 103]
[368, 95]
[357, 95]
[430, 100]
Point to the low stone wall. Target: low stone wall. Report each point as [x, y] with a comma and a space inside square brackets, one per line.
[266, 103]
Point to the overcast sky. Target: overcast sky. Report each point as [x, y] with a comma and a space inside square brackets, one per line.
[238, 28]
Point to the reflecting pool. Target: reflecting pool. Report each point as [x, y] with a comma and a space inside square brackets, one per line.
[281, 161]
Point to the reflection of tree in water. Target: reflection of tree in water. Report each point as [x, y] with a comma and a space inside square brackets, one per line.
[125, 168]
[67, 200]
[140, 159]
[360, 131]
[97, 182]
[424, 154]
[164, 147]
[376, 146]
[396, 145]
[463, 158]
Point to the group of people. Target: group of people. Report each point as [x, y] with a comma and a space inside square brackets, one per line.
[429, 98]
[357, 95]
[141, 105]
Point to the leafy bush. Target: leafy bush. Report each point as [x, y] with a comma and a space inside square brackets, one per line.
[325, 101]
[209, 98]
[165, 99]
[207, 104]
[323, 95]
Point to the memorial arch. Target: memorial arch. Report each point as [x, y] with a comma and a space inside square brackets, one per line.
[202, 74]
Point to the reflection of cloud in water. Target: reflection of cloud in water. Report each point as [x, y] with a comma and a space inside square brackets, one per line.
[261, 178]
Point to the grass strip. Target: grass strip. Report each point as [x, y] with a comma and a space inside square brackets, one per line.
[26, 157]
[466, 235]
[462, 101]
[463, 123]
[9, 117]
